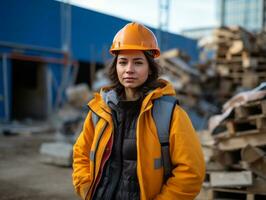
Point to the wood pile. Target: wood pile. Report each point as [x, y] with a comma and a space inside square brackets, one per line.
[185, 79]
[235, 154]
[231, 60]
[236, 55]
[195, 90]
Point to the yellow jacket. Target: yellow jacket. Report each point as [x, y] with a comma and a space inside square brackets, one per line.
[93, 144]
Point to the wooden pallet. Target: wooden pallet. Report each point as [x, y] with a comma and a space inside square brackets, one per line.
[232, 194]
[254, 123]
[237, 71]
[243, 75]
[254, 138]
[248, 79]
[248, 62]
[251, 109]
[250, 119]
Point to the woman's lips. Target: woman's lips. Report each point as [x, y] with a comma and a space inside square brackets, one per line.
[129, 79]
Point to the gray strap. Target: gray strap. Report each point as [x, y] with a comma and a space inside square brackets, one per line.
[95, 118]
[162, 115]
[92, 155]
[158, 163]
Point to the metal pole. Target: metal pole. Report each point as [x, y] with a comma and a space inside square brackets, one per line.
[164, 6]
[6, 93]
[263, 14]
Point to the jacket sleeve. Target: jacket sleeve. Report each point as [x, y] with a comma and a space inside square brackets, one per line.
[187, 158]
[81, 162]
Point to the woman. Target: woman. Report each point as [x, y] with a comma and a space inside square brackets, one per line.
[114, 156]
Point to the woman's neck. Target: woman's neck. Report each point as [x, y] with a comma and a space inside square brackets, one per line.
[131, 94]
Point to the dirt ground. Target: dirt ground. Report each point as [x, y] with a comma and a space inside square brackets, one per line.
[24, 177]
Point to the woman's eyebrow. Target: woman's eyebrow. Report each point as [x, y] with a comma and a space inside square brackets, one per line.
[138, 59]
[122, 58]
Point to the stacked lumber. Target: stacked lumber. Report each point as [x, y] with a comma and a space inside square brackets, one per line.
[193, 92]
[185, 79]
[237, 55]
[235, 149]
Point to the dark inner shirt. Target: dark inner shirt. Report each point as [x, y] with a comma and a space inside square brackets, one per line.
[119, 179]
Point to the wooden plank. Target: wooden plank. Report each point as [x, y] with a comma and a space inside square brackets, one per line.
[250, 62]
[256, 160]
[223, 33]
[253, 138]
[256, 108]
[205, 194]
[248, 73]
[251, 154]
[261, 123]
[236, 47]
[250, 197]
[220, 193]
[242, 126]
[241, 112]
[259, 167]
[263, 106]
[231, 179]
[230, 194]
[215, 166]
[258, 186]
[230, 125]
[173, 53]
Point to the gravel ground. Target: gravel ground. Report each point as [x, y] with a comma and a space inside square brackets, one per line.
[24, 177]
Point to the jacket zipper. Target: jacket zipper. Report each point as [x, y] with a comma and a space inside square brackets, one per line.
[94, 162]
[103, 164]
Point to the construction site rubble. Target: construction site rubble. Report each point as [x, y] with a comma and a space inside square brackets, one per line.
[234, 144]
[68, 122]
[235, 153]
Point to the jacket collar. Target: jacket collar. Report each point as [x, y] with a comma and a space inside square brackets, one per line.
[100, 101]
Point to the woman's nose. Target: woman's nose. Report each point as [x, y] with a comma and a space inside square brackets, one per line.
[130, 68]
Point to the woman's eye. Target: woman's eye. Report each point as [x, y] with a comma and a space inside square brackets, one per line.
[122, 63]
[138, 63]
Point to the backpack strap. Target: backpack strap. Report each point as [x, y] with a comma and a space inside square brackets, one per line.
[95, 118]
[162, 115]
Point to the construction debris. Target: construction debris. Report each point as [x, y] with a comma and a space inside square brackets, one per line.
[57, 153]
[234, 144]
[78, 95]
[190, 85]
[236, 55]
[236, 147]
[231, 179]
[231, 60]
[68, 122]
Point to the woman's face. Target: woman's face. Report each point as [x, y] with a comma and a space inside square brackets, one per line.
[132, 68]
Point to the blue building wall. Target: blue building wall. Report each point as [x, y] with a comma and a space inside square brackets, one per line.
[34, 22]
[36, 29]
[38, 22]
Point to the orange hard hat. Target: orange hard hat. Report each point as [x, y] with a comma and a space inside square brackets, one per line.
[135, 36]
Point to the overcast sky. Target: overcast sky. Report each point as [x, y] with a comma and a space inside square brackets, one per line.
[184, 14]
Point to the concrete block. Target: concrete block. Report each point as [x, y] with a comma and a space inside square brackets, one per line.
[57, 153]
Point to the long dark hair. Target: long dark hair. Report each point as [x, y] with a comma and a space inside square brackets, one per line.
[151, 82]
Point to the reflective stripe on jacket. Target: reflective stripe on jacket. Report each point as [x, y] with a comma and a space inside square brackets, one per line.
[93, 147]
